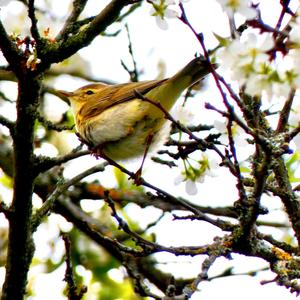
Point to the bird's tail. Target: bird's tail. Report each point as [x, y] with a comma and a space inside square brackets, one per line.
[169, 91]
[194, 71]
[172, 88]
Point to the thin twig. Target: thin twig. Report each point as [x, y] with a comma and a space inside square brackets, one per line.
[51, 126]
[43, 164]
[59, 190]
[73, 292]
[134, 74]
[169, 198]
[285, 112]
[34, 28]
[7, 123]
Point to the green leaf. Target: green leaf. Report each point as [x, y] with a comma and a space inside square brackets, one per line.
[223, 41]
[121, 178]
[6, 181]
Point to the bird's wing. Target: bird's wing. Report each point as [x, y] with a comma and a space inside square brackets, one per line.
[116, 94]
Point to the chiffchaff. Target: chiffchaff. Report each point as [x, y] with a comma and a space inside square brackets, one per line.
[112, 120]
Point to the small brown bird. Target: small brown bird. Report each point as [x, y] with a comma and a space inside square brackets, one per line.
[115, 122]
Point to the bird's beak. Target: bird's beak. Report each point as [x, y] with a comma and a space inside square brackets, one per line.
[63, 94]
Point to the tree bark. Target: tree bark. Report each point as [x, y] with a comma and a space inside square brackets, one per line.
[21, 247]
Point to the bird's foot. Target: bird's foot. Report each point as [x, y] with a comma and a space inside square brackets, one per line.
[97, 151]
[137, 177]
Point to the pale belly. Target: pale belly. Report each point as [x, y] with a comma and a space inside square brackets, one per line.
[122, 132]
[135, 145]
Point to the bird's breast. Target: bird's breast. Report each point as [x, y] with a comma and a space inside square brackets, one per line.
[122, 130]
[112, 124]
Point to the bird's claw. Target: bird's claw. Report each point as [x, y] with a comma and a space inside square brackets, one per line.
[137, 177]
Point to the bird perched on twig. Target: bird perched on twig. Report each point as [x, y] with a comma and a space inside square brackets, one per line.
[115, 122]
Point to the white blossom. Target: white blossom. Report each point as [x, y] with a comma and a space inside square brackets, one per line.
[164, 9]
[238, 6]
[196, 173]
[248, 62]
[191, 187]
[4, 2]
[183, 115]
[240, 137]
[246, 55]
[294, 35]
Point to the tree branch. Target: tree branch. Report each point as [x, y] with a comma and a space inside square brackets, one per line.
[48, 204]
[20, 246]
[9, 50]
[78, 7]
[63, 49]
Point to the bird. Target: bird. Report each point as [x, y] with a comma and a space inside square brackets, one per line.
[117, 122]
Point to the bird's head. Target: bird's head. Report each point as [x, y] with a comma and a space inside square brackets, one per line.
[81, 95]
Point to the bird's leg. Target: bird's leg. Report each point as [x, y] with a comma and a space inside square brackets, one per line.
[98, 152]
[115, 164]
[101, 154]
[138, 173]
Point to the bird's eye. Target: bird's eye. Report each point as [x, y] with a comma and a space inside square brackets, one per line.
[89, 92]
